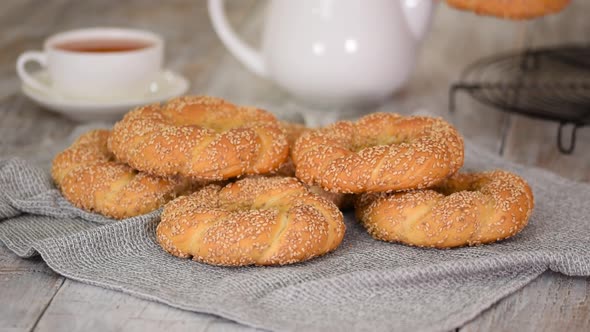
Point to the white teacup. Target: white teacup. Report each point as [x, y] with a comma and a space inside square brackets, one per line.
[96, 63]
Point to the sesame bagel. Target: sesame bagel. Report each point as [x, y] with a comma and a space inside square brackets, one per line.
[512, 9]
[380, 152]
[466, 209]
[253, 221]
[199, 137]
[90, 178]
[293, 131]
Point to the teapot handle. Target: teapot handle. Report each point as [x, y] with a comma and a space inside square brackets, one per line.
[249, 57]
[418, 15]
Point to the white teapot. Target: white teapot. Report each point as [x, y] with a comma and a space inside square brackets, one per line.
[333, 52]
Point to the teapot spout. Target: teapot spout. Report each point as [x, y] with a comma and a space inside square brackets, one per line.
[418, 14]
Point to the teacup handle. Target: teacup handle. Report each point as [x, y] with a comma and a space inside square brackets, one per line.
[36, 56]
[22, 60]
[250, 57]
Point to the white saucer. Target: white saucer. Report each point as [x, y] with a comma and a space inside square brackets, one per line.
[166, 86]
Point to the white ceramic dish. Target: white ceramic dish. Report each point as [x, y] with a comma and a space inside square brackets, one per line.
[333, 54]
[166, 86]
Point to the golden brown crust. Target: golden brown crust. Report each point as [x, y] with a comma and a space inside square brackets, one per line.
[511, 9]
[199, 137]
[467, 209]
[342, 201]
[90, 178]
[253, 221]
[378, 153]
[293, 131]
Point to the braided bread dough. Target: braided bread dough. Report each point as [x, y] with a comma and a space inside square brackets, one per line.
[467, 209]
[199, 137]
[261, 221]
[380, 152]
[90, 178]
[293, 131]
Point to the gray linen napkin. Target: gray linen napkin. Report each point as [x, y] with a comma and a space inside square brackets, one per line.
[363, 285]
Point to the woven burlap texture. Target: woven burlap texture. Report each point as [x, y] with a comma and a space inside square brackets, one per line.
[363, 285]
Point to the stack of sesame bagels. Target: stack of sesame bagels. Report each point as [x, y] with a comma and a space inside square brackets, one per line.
[403, 172]
[256, 191]
[91, 178]
[240, 203]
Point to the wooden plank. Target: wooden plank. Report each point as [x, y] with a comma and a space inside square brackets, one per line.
[193, 49]
[447, 50]
[27, 287]
[534, 142]
[19, 118]
[9, 262]
[553, 302]
[24, 25]
[81, 307]
[78, 306]
[26, 128]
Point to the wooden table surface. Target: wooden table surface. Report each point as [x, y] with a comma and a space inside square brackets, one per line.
[32, 297]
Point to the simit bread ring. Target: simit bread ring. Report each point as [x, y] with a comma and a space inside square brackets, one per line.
[293, 131]
[261, 221]
[200, 137]
[513, 9]
[380, 152]
[467, 209]
[89, 177]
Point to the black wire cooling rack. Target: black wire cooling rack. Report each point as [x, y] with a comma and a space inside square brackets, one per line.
[546, 83]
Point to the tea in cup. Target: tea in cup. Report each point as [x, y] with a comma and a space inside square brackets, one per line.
[96, 63]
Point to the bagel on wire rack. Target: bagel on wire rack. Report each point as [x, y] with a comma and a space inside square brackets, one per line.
[511, 9]
[380, 152]
[467, 209]
[91, 178]
[253, 221]
[199, 137]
